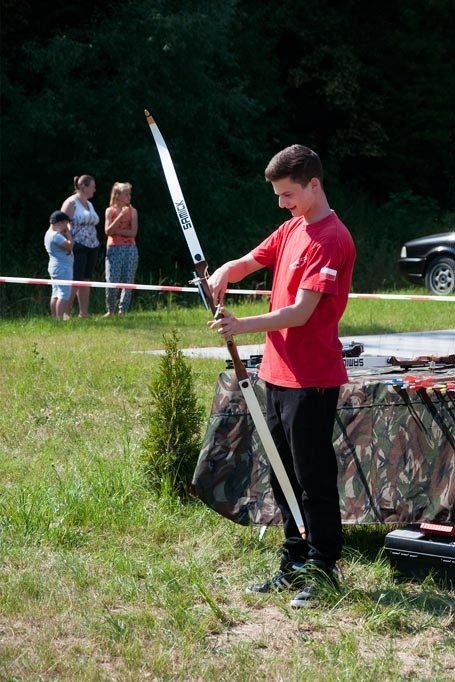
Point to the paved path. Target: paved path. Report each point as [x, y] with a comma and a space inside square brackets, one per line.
[408, 345]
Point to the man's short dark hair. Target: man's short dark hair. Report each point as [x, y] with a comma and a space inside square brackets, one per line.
[296, 162]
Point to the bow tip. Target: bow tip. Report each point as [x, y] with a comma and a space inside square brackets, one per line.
[149, 116]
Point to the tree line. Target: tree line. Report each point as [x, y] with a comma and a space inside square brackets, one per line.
[369, 87]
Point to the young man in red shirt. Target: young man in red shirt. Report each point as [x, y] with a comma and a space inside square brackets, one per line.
[312, 258]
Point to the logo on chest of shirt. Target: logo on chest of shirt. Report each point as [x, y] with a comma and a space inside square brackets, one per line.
[298, 263]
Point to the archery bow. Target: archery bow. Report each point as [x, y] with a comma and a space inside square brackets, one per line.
[201, 274]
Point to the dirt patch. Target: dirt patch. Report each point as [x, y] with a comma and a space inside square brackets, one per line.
[275, 630]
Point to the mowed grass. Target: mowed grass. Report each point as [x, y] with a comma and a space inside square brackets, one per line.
[101, 580]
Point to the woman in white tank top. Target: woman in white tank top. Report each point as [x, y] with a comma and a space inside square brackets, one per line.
[84, 220]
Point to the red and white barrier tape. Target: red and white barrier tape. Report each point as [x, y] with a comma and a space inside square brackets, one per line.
[96, 285]
[194, 290]
[404, 297]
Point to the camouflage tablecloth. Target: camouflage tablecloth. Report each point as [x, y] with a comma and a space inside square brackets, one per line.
[395, 448]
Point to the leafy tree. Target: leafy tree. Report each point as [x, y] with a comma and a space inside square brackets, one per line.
[229, 84]
[372, 90]
[86, 116]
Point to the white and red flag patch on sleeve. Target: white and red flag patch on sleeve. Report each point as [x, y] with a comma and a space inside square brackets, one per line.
[329, 273]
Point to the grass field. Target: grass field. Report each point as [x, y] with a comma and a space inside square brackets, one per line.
[101, 580]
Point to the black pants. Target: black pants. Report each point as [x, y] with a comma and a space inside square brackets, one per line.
[85, 259]
[301, 421]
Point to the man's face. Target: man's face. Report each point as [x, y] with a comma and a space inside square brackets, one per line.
[293, 196]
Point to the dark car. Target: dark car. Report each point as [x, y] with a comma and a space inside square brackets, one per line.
[430, 261]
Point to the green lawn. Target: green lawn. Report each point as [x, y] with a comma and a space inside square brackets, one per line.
[102, 580]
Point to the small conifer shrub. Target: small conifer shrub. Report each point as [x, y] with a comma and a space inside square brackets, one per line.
[172, 444]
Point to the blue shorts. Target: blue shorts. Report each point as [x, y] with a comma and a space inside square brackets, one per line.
[61, 290]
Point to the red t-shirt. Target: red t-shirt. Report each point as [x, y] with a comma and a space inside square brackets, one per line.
[319, 257]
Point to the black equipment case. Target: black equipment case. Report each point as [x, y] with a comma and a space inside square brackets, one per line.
[418, 551]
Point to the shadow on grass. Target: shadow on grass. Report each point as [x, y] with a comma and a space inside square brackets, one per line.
[406, 596]
[420, 589]
[366, 539]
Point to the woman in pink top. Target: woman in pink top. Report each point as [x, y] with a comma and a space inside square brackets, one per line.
[121, 222]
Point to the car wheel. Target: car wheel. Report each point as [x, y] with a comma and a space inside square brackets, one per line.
[440, 276]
